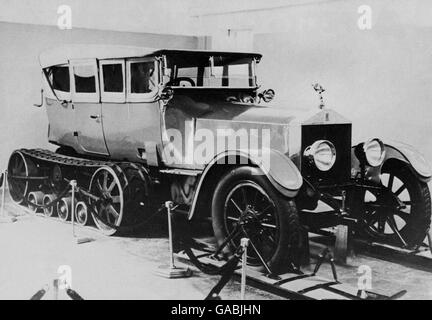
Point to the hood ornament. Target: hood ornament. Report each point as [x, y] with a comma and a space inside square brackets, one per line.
[319, 89]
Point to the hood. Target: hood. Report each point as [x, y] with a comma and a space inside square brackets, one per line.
[240, 112]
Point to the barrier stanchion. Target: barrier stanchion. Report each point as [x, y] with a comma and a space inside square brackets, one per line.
[171, 271]
[55, 289]
[429, 237]
[3, 217]
[73, 185]
[169, 206]
[244, 243]
[4, 177]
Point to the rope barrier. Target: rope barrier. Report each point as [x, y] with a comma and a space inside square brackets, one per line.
[125, 228]
[50, 204]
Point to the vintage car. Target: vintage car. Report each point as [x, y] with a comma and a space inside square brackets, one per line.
[139, 126]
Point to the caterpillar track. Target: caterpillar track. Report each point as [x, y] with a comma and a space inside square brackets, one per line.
[114, 194]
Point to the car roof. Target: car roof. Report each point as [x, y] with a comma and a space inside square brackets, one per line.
[62, 54]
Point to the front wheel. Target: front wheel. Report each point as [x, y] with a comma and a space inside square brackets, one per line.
[246, 205]
[399, 213]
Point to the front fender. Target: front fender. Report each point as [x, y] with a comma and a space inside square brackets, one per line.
[398, 151]
[279, 169]
[409, 155]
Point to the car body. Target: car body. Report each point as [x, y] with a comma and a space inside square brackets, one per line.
[157, 107]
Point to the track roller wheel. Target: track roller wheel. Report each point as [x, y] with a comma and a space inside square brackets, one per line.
[81, 213]
[35, 198]
[52, 210]
[64, 208]
[20, 167]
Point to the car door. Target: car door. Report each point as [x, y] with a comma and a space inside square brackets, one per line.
[59, 105]
[131, 108]
[87, 106]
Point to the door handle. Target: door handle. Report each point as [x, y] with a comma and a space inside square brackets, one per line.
[95, 117]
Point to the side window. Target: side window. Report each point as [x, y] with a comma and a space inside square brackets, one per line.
[85, 79]
[142, 80]
[59, 80]
[112, 80]
[85, 82]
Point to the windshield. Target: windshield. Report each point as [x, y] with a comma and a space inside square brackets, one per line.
[211, 71]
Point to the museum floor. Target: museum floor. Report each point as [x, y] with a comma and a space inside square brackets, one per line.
[33, 249]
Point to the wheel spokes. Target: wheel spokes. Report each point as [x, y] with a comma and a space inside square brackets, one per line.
[244, 197]
[403, 215]
[98, 184]
[115, 199]
[381, 225]
[236, 206]
[392, 223]
[105, 180]
[400, 190]
[111, 187]
[113, 211]
[390, 182]
[233, 219]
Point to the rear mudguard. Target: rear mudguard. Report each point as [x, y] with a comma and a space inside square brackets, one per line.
[397, 151]
[279, 169]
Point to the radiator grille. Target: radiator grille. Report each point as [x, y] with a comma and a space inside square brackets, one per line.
[340, 136]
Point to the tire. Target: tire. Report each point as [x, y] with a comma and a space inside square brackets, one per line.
[412, 221]
[279, 246]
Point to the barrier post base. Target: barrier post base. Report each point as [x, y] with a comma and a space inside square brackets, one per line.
[173, 272]
[84, 240]
[341, 245]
